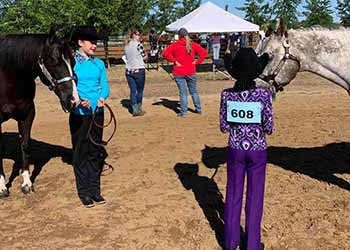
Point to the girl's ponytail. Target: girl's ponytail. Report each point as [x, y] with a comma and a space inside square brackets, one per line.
[188, 44]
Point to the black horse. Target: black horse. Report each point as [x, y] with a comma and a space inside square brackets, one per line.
[22, 59]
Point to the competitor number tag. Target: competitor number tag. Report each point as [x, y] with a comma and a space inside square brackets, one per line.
[244, 112]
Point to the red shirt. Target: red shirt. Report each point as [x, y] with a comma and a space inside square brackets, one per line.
[176, 52]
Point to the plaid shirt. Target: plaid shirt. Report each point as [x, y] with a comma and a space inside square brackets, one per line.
[143, 54]
[141, 50]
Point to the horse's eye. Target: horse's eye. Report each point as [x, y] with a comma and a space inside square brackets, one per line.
[271, 56]
[53, 60]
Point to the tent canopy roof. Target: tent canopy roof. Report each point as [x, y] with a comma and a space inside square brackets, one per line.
[209, 18]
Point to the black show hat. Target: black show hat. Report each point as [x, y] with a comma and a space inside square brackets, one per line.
[246, 65]
[87, 33]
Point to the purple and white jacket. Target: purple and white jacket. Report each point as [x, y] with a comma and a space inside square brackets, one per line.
[247, 136]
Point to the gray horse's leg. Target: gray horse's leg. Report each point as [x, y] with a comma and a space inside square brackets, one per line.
[24, 128]
[3, 190]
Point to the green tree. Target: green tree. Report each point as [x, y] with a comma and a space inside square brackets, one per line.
[287, 9]
[108, 16]
[343, 8]
[256, 11]
[163, 13]
[133, 13]
[28, 16]
[318, 12]
[187, 7]
[16, 16]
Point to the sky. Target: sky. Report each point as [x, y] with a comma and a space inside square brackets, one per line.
[232, 4]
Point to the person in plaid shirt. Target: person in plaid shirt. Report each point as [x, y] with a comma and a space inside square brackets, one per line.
[135, 71]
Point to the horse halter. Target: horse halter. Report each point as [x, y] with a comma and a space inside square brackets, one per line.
[287, 56]
[54, 82]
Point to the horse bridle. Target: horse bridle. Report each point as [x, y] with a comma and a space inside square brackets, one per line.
[287, 56]
[54, 82]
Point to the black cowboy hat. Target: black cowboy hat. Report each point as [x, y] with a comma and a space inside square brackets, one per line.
[246, 65]
[87, 33]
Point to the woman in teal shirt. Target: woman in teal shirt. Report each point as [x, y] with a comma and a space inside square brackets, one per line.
[93, 90]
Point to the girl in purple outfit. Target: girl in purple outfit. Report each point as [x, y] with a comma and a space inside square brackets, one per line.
[246, 113]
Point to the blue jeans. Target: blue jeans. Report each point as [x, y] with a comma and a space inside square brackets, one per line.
[216, 51]
[191, 82]
[136, 82]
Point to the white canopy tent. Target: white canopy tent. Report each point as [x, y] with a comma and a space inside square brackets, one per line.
[209, 18]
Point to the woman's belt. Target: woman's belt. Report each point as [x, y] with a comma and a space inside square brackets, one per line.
[132, 71]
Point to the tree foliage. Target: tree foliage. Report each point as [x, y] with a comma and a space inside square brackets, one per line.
[165, 12]
[162, 13]
[318, 12]
[257, 11]
[188, 6]
[114, 16]
[108, 16]
[343, 8]
[27, 16]
[287, 9]
[132, 13]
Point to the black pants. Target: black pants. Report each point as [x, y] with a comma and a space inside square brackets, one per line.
[88, 159]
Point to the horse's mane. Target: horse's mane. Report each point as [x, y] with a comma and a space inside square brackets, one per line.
[18, 52]
[320, 28]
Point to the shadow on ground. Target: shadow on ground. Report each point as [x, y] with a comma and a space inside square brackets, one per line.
[207, 194]
[126, 104]
[40, 154]
[171, 104]
[321, 163]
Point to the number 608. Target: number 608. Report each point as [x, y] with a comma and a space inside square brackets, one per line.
[242, 113]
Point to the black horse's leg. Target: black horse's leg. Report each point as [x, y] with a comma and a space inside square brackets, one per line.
[24, 128]
[3, 190]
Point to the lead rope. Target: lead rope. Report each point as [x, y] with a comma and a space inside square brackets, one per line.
[103, 143]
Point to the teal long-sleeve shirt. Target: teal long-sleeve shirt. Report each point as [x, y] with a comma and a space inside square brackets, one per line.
[92, 83]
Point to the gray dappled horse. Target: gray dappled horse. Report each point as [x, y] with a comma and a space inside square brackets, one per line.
[325, 52]
[22, 59]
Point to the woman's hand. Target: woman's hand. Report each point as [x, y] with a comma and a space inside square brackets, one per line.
[85, 103]
[101, 102]
[177, 63]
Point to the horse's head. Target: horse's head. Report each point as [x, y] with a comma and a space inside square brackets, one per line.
[56, 63]
[283, 65]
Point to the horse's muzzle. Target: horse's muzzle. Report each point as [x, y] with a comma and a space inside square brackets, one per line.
[68, 105]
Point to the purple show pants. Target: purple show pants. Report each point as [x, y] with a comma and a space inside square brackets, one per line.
[240, 162]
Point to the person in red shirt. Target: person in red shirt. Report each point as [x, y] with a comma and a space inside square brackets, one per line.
[183, 54]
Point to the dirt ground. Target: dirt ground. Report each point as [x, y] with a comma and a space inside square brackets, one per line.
[155, 203]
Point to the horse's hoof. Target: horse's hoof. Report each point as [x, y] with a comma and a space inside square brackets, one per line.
[26, 189]
[4, 193]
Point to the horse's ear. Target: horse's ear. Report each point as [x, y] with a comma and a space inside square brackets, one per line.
[281, 28]
[52, 35]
